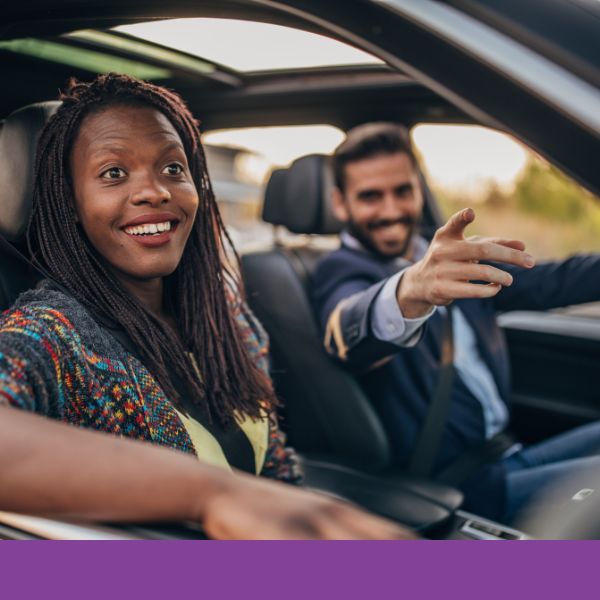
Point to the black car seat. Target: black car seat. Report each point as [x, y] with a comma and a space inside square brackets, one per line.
[326, 411]
[18, 138]
[415, 503]
[327, 416]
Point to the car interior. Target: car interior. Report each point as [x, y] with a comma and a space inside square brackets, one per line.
[352, 459]
[327, 417]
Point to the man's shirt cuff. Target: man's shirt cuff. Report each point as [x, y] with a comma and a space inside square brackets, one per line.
[387, 321]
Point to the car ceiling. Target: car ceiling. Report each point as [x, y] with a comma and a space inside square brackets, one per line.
[340, 96]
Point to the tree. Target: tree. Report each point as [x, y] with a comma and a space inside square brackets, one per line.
[544, 191]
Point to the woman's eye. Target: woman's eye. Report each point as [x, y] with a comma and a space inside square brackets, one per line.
[113, 173]
[173, 169]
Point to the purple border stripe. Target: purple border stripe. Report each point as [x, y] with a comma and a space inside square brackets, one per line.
[290, 570]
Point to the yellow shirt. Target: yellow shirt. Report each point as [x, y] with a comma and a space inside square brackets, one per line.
[209, 450]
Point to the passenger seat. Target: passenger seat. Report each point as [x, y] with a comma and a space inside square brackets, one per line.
[325, 409]
[18, 136]
[327, 416]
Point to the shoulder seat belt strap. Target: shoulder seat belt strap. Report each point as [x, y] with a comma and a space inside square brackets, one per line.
[428, 442]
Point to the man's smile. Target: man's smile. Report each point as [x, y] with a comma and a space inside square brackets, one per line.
[386, 223]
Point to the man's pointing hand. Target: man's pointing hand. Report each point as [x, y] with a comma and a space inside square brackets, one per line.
[451, 265]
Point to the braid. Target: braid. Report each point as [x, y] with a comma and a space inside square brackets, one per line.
[229, 382]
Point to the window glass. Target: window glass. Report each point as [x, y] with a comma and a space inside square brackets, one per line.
[82, 58]
[233, 43]
[514, 193]
[240, 163]
[142, 49]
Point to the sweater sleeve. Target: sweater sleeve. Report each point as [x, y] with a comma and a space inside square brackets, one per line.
[30, 363]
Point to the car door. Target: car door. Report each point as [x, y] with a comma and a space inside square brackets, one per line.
[554, 358]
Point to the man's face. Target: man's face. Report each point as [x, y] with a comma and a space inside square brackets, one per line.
[382, 202]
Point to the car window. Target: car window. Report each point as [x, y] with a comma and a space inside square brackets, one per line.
[241, 161]
[514, 192]
[279, 48]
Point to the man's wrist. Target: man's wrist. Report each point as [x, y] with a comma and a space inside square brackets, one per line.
[411, 304]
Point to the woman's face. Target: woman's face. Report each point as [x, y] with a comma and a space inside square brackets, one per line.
[134, 194]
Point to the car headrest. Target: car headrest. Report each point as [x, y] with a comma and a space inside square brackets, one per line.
[18, 142]
[274, 192]
[299, 197]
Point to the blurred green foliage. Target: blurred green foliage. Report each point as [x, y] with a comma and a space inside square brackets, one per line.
[545, 191]
[546, 209]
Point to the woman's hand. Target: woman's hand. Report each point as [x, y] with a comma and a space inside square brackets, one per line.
[257, 509]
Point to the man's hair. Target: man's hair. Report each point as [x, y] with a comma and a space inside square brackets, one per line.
[367, 141]
[196, 293]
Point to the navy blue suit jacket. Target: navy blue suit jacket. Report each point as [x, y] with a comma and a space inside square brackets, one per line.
[401, 388]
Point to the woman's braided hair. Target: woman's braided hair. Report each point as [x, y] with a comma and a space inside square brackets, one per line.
[197, 292]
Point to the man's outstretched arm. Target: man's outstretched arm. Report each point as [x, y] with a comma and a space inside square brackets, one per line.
[450, 270]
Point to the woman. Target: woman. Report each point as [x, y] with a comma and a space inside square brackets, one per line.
[140, 333]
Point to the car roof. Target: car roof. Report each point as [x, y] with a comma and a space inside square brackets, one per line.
[540, 85]
[222, 96]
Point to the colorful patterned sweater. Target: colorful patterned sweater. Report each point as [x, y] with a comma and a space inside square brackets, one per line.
[56, 360]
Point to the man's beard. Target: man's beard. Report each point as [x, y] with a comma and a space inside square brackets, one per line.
[366, 240]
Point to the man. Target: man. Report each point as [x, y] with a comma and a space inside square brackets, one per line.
[384, 300]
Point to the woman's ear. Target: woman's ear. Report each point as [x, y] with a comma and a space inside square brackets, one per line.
[339, 206]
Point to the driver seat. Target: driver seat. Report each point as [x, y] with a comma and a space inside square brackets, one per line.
[326, 416]
[326, 411]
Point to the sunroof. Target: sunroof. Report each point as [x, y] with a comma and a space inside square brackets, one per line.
[249, 46]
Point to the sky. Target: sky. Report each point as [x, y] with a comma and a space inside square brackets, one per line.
[265, 46]
[468, 157]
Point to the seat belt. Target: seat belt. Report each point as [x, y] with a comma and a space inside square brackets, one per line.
[430, 436]
[233, 442]
[469, 462]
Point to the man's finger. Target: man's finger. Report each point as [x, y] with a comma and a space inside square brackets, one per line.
[487, 251]
[457, 290]
[515, 244]
[475, 272]
[455, 226]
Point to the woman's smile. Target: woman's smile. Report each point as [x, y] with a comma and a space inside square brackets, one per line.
[152, 230]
